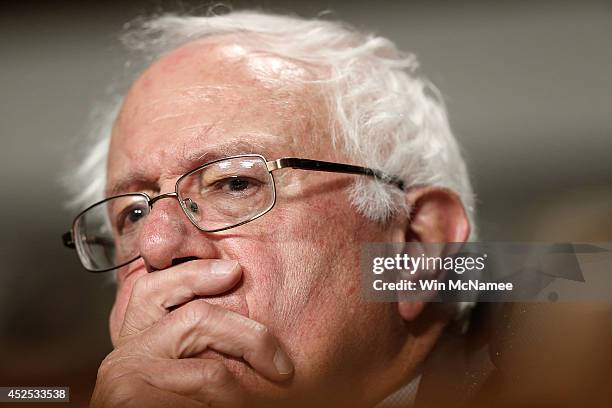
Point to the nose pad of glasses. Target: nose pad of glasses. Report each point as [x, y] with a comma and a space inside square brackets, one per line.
[191, 206]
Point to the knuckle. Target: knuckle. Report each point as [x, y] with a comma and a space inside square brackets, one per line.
[116, 383]
[120, 360]
[262, 338]
[143, 286]
[121, 394]
[195, 313]
[107, 365]
[214, 373]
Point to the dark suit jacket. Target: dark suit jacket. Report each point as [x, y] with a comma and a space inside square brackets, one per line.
[522, 355]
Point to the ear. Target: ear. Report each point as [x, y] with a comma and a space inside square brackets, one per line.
[437, 216]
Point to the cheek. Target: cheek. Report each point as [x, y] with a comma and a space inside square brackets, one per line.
[261, 269]
[319, 300]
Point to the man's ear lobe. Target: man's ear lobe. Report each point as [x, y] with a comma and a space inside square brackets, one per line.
[437, 216]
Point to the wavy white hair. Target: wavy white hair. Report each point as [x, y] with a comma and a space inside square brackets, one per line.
[384, 115]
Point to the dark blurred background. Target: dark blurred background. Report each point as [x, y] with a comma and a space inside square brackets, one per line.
[529, 91]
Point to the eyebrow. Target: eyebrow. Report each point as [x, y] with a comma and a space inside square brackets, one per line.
[189, 160]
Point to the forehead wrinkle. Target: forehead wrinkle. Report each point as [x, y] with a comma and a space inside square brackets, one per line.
[230, 148]
[168, 116]
[132, 178]
[184, 97]
[191, 93]
[199, 127]
[190, 159]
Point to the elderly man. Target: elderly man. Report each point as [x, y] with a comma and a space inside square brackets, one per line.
[246, 167]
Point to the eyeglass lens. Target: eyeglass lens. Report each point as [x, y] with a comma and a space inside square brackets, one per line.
[218, 196]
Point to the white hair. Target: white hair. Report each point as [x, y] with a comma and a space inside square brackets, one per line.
[383, 114]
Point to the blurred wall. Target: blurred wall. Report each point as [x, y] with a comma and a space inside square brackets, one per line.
[528, 87]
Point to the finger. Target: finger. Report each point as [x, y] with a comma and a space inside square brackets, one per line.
[198, 326]
[204, 380]
[154, 293]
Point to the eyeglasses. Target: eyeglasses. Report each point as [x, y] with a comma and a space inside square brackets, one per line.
[216, 196]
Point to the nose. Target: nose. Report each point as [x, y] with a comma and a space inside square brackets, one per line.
[168, 237]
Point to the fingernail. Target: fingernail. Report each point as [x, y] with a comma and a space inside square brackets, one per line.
[282, 362]
[223, 267]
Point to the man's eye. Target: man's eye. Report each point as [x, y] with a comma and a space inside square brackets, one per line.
[128, 218]
[237, 185]
[135, 214]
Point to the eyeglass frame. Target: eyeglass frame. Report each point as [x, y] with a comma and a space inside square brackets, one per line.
[272, 165]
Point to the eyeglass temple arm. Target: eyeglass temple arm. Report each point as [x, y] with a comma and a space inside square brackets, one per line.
[69, 242]
[67, 239]
[318, 165]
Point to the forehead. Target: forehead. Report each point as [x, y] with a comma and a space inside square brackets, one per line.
[207, 99]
